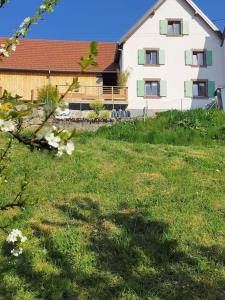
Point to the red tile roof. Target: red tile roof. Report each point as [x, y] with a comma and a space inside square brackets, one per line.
[62, 56]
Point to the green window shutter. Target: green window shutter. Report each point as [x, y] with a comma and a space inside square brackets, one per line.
[140, 88]
[162, 57]
[211, 88]
[188, 89]
[188, 57]
[163, 88]
[185, 27]
[141, 57]
[163, 27]
[208, 57]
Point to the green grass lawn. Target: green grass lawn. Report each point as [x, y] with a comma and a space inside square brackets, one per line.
[117, 220]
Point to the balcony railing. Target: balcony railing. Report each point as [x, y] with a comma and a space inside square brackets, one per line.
[90, 93]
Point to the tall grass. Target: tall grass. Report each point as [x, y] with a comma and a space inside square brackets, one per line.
[195, 127]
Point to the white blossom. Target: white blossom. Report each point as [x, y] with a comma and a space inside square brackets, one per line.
[67, 148]
[70, 148]
[23, 31]
[4, 52]
[25, 22]
[42, 7]
[52, 140]
[16, 235]
[16, 252]
[13, 47]
[7, 126]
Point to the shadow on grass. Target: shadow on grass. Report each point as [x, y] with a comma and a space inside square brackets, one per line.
[133, 259]
[134, 254]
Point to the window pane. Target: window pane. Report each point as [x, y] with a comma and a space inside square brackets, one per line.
[200, 59]
[147, 88]
[148, 57]
[154, 57]
[155, 89]
[170, 28]
[195, 59]
[195, 90]
[201, 89]
[177, 28]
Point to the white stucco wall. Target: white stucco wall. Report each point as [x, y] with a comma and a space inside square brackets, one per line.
[174, 71]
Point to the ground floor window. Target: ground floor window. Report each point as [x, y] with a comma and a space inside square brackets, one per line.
[200, 89]
[152, 88]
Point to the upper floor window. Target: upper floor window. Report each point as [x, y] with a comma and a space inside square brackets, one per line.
[198, 58]
[174, 27]
[151, 57]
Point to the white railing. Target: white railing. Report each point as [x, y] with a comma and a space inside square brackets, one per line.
[104, 93]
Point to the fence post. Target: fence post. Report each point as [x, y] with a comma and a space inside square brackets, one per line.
[32, 95]
[113, 96]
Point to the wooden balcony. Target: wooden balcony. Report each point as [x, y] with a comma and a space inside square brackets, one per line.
[86, 94]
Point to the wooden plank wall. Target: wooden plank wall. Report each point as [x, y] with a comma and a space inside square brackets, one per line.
[26, 84]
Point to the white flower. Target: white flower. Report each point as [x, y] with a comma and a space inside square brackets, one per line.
[13, 47]
[23, 31]
[2, 122]
[4, 52]
[61, 149]
[70, 148]
[52, 140]
[17, 252]
[7, 126]
[14, 235]
[25, 22]
[42, 7]
[23, 239]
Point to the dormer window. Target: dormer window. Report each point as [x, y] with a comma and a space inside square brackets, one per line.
[174, 27]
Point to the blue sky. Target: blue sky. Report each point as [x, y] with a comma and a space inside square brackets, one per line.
[105, 20]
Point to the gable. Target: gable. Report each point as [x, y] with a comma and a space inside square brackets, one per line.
[154, 10]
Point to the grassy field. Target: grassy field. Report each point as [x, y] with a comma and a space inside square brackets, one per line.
[118, 220]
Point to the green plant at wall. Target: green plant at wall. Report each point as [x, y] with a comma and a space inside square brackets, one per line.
[97, 106]
[48, 95]
[98, 113]
[122, 77]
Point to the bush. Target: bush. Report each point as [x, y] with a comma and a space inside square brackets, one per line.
[48, 95]
[104, 114]
[97, 106]
[92, 115]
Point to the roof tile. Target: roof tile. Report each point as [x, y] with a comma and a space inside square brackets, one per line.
[62, 56]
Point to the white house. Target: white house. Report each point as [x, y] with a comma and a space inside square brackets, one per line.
[175, 56]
